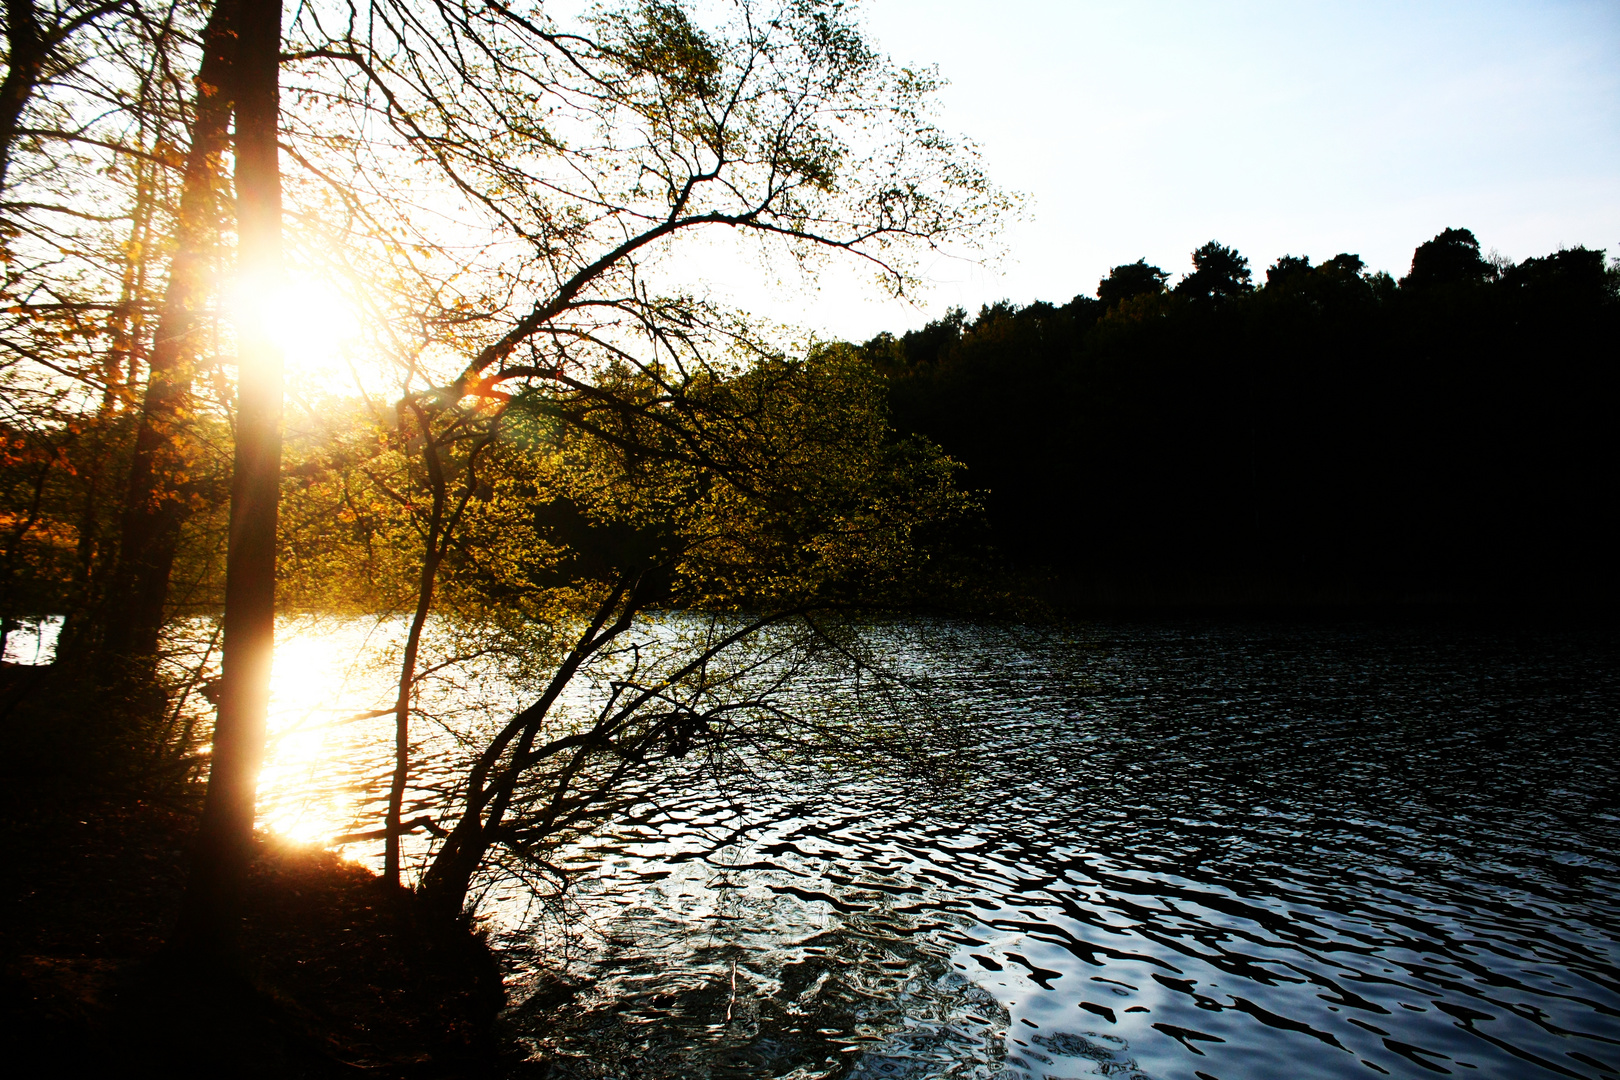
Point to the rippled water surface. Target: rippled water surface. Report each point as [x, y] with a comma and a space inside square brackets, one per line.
[1169, 851]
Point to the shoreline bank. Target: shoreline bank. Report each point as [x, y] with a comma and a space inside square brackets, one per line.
[338, 973]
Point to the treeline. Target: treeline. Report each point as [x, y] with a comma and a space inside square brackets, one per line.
[1327, 435]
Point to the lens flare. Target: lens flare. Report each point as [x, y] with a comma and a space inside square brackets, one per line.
[311, 323]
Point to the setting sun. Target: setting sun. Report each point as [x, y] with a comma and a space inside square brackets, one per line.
[310, 322]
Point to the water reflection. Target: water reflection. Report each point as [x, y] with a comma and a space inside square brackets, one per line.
[32, 641]
[1173, 851]
[326, 773]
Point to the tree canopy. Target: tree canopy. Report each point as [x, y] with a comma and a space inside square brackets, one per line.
[1452, 258]
[1219, 272]
[1130, 281]
[545, 429]
[1330, 436]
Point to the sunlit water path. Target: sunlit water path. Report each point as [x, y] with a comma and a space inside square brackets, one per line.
[1172, 851]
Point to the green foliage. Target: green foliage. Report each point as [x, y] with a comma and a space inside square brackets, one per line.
[781, 486]
[549, 437]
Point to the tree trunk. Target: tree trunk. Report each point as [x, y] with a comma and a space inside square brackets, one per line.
[441, 529]
[154, 506]
[444, 886]
[128, 323]
[225, 837]
[127, 333]
[402, 704]
[25, 58]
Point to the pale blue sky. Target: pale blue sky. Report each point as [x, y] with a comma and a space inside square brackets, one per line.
[1145, 128]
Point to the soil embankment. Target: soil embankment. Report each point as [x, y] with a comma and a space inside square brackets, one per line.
[338, 975]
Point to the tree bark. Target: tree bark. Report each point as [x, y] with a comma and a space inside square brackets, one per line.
[225, 836]
[407, 679]
[29, 47]
[127, 333]
[25, 59]
[441, 529]
[155, 506]
[444, 887]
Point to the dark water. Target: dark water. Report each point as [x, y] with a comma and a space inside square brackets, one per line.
[1178, 851]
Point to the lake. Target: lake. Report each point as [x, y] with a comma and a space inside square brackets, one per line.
[1171, 850]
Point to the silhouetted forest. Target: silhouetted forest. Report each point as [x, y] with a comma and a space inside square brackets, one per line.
[1328, 434]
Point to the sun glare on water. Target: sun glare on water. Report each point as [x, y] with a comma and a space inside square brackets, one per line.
[324, 773]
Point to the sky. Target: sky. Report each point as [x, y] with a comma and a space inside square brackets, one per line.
[1145, 128]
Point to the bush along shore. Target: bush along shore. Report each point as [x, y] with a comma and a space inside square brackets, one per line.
[334, 973]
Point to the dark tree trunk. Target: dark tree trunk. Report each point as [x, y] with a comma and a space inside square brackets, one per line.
[413, 644]
[25, 59]
[225, 837]
[444, 888]
[491, 785]
[407, 682]
[154, 506]
[442, 523]
[30, 47]
[128, 333]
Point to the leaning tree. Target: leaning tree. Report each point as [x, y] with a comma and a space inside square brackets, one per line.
[538, 191]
